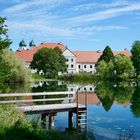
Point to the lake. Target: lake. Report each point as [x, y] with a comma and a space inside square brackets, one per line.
[113, 108]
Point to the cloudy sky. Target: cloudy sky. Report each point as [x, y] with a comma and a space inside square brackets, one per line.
[79, 24]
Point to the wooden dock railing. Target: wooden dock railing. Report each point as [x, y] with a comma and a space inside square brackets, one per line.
[45, 96]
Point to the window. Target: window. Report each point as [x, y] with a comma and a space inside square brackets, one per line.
[90, 66]
[90, 89]
[79, 66]
[67, 60]
[71, 66]
[72, 60]
[85, 89]
[71, 89]
[85, 66]
[67, 66]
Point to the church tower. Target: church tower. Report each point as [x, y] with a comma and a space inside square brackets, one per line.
[22, 45]
[32, 44]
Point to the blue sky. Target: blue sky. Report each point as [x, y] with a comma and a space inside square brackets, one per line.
[79, 24]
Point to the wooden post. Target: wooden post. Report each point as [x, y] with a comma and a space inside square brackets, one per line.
[70, 123]
[51, 121]
[44, 98]
[43, 120]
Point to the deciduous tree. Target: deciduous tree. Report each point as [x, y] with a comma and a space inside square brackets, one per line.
[104, 69]
[136, 57]
[123, 67]
[4, 41]
[50, 61]
[11, 68]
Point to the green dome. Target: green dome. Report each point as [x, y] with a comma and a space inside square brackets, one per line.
[22, 44]
[32, 44]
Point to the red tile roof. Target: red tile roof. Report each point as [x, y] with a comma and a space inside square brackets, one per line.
[81, 56]
[87, 56]
[93, 56]
[27, 55]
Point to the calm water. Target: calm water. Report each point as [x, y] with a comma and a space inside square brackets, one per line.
[113, 108]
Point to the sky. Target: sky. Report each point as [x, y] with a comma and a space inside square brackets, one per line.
[79, 24]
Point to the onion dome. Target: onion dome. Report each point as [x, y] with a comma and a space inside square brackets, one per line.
[32, 44]
[22, 44]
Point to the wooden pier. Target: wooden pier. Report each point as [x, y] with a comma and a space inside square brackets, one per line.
[68, 102]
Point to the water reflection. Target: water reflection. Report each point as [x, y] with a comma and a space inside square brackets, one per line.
[15, 88]
[103, 93]
[112, 106]
[47, 86]
[135, 106]
[111, 93]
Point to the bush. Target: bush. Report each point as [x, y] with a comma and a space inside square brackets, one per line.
[12, 70]
[14, 126]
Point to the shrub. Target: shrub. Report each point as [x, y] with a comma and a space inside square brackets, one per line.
[12, 70]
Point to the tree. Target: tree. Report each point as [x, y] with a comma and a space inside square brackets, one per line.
[105, 92]
[106, 56]
[50, 61]
[123, 67]
[105, 70]
[136, 57]
[135, 106]
[12, 69]
[4, 41]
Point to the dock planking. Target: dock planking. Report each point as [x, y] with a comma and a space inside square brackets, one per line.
[39, 109]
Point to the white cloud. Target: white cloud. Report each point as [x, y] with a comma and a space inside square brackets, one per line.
[34, 18]
[94, 5]
[41, 29]
[21, 6]
[105, 14]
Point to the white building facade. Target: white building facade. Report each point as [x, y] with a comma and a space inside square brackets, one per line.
[70, 61]
[76, 61]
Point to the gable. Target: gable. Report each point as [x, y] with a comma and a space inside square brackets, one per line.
[68, 53]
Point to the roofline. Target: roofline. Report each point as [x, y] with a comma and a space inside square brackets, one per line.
[70, 51]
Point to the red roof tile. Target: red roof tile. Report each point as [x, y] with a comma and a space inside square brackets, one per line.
[93, 56]
[87, 56]
[82, 56]
[27, 55]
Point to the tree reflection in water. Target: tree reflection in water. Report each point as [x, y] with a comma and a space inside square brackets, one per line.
[48, 86]
[105, 93]
[135, 106]
[14, 88]
[119, 92]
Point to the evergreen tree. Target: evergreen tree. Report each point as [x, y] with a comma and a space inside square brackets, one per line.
[106, 56]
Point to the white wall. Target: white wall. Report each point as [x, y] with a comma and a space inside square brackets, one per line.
[72, 66]
[71, 61]
[85, 67]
